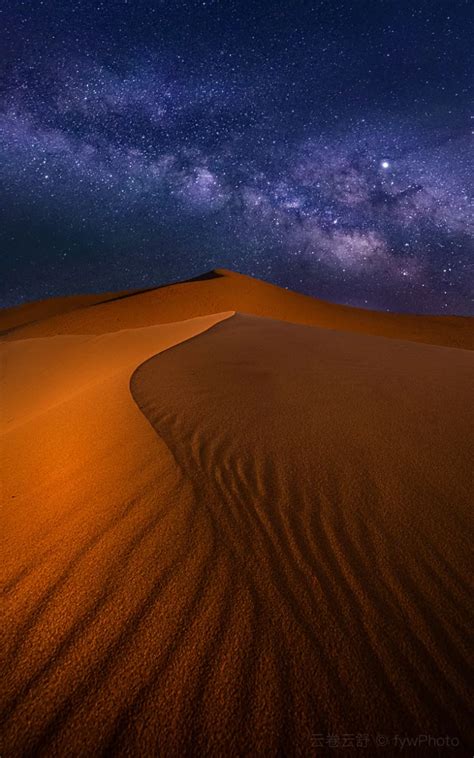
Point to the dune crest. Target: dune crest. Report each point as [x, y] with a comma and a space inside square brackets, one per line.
[222, 290]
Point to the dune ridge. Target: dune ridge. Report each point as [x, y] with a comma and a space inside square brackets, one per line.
[228, 533]
[224, 290]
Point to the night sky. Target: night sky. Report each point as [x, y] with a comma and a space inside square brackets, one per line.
[323, 146]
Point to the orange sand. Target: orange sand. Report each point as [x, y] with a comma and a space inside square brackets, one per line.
[239, 543]
[21, 315]
[221, 291]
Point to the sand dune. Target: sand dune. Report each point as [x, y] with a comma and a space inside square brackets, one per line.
[223, 290]
[230, 534]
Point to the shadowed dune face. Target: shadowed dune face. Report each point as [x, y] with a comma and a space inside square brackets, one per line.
[330, 475]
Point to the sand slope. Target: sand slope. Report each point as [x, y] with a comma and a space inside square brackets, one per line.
[229, 534]
[333, 475]
[21, 315]
[86, 490]
[223, 290]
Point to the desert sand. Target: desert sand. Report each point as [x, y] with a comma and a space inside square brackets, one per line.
[219, 291]
[235, 520]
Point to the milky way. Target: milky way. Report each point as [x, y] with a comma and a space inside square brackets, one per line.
[324, 146]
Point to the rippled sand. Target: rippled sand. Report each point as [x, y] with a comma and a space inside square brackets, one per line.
[230, 534]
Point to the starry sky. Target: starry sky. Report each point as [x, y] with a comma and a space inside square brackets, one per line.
[324, 146]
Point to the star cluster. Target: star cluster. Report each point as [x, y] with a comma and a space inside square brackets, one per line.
[325, 146]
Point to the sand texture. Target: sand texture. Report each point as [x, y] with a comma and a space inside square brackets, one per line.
[226, 534]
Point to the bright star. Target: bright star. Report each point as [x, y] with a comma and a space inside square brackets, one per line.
[385, 164]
